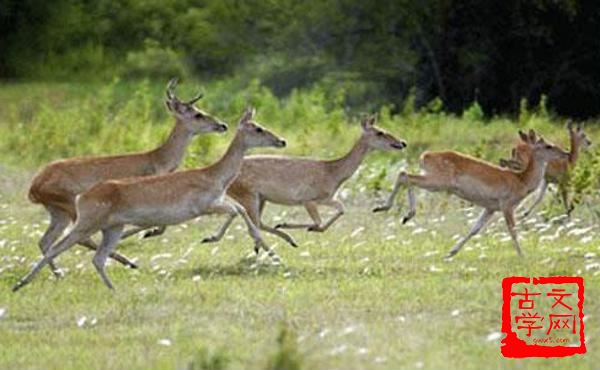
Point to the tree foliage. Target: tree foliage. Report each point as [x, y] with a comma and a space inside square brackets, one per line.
[494, 52]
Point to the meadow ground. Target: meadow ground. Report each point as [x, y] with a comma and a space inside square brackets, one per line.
[368, 294]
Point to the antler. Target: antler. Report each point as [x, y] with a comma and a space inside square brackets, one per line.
[196, 98]
[170, 87]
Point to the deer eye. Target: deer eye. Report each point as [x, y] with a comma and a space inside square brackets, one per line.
[198, 115]
[259, 130]
[379, 133]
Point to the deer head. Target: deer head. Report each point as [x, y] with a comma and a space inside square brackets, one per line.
[541, 149]
[378, 138]
[255, 135]
[578, 137]
[194, 119]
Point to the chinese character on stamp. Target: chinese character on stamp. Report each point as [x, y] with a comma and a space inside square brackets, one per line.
[542, 317]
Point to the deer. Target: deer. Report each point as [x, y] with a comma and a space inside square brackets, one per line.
[162, 200]
[302, 181]
[557, 172]
[482, 183]
[57, 185]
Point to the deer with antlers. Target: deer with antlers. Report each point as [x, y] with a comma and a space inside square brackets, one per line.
[557, 171]
[302, 181]
[162, 200]
[57, 185]
[489, 186]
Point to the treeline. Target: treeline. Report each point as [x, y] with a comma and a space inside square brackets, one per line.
[500, 53]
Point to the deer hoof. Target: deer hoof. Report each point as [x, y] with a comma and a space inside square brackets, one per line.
[209, 239]
[316, 229]
[450, 255]
[380, 209]
[152, 233]
[407, 218]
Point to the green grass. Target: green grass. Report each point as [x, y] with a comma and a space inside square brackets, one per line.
[368, 294]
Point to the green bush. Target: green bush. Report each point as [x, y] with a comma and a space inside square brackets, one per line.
[153, 61]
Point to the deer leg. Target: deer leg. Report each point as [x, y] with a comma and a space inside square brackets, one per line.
[89, 244]
[232, 207]
[483, 219]
[150, 231]
[65, 243]
[412, 205]
[311, 208]
[59, 220]
[426, 182]
[219, 235]
[155, 231]
[133, 231]
[400, 180]
[564, 194]
[538, 198]
[509, 217]
[252, 229]
[254, 208]
[248, 200]
[339, 206]
[257, 219]
[110, 238]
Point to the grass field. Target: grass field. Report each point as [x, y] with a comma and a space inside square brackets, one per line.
[368, 294]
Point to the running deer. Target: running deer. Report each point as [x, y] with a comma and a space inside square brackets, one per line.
[302, 181]
[162, 200]
[57, 184]
[492, 187]
[558, 171]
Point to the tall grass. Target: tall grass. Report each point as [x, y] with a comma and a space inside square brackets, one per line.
[43, 122]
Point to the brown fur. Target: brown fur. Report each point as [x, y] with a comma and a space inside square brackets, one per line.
[557, 171]
[489, 186]
[57, 185]
[161, 200]
[308, 182]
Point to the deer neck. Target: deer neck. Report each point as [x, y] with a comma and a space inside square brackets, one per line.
[533, 173]
[169, 155]
[345, 166]
[574, 152]
[226, 169]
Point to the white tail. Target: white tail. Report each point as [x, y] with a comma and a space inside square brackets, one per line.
[557, 171]
[302, 181]
[482, 183]
[57, 185]
[161, 200]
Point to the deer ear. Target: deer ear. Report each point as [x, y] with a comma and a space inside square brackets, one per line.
[248, 115]
[532, 136]
[367, 122]
[580, 127]
[373, 119]
[570, 125]
[168, 104]
[523, 136]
